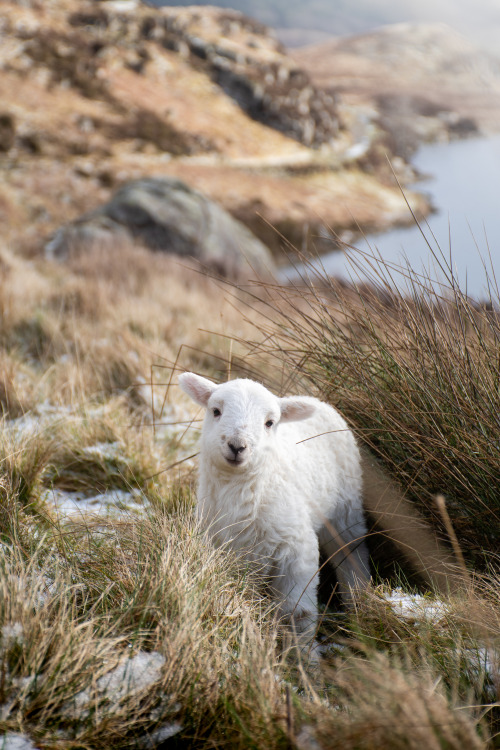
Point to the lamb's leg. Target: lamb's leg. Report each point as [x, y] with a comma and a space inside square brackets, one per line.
[347, 551]
[294, 583]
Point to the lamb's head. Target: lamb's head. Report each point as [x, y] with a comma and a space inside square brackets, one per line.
[242, 419]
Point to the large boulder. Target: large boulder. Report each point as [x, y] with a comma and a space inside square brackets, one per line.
[167, 215]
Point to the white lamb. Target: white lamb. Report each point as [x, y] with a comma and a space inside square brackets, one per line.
[279, 479]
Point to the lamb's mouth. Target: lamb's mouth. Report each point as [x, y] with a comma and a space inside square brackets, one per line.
[236, 461]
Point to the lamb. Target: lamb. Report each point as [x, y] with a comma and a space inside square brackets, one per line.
[280, 479]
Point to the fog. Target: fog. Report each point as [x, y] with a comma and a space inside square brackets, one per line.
[479, 20]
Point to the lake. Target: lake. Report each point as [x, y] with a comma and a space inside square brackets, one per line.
[464, 186]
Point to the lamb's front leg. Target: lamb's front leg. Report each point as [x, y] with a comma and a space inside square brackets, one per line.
[295, 583]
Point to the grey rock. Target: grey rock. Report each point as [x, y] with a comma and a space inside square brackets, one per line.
[167, 215]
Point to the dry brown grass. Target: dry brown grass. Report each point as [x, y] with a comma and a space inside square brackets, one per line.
[149, 588]
[384, 703]
[81, 596]
[99, 324]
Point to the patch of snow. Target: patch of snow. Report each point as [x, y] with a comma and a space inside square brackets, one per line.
[176, 422]
[12, 633]
[357, 150]
[45, 591]
[28, 425]
[13, 741]
[131, 677]
[415, 607]
[167, 702]
[106, 451]
[25, 683]
[306, 739]
[180, 426]
[149, 395]
[485, 661]
[104, 503]
[153, 739]
[46, 408]
[45, 415]
[121, 6]
[5, 548]
[488, 660]
[33, 422]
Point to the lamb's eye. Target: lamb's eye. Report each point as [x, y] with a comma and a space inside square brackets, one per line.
[216, 412]
[269, 423]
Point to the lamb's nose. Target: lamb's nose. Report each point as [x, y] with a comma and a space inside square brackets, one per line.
[237, 446]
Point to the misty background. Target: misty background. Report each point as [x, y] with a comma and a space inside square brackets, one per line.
[298, 22]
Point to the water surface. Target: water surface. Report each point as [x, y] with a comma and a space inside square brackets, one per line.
[464, 186]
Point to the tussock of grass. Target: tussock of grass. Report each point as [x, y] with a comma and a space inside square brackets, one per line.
[150, 588]
[444, 638]
[416, 375]
[22, 463]
[100, 449]
[15, 396]
[382, 702]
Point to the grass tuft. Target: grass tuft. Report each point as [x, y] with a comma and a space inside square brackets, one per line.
[416, 374]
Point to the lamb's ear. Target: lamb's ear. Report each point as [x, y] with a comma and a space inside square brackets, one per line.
[200, 389]
[294, 408]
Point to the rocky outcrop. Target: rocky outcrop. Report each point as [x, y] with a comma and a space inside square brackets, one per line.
[244, 59]
[168, 216]
[239, 54]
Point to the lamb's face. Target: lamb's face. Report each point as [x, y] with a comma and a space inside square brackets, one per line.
[241, 420]
[240, 423]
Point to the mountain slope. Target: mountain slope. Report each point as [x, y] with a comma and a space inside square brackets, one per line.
[409, 72]
[96, 94]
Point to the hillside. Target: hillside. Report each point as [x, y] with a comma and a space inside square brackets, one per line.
[94, 95]
[422, 78]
